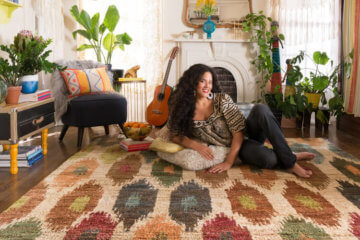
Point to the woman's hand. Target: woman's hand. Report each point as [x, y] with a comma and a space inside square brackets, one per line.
[204, 151]
[218, 168]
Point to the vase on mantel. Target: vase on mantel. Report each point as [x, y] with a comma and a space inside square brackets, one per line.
[209, 27]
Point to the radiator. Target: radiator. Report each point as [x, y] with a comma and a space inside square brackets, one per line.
[135, 93]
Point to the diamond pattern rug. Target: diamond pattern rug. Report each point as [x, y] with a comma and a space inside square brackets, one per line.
[103, 192]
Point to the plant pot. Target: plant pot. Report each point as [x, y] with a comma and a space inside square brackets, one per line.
[278, 115]
[29, 83]
[108, 67]
[117, 73]
[3, 91]
[288, 122]
[299, 120]
[307, 119]
[13, 95]
[319, 124]
[313, 98]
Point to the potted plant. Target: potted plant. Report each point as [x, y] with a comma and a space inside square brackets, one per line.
[9, 74]
[31, 58]
[315, 86]
[94, 32]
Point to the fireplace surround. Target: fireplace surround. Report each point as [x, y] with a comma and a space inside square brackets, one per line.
[229, 56]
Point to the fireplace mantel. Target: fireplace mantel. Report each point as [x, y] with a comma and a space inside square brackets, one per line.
[233, 55]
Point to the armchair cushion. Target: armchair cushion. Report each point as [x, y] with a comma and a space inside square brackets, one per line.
[86, 81]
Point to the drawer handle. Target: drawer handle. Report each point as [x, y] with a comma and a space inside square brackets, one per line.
[38, 121]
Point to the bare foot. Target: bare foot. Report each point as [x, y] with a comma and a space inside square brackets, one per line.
[298, 170]
[305, 156]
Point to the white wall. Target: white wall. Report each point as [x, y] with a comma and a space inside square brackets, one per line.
[51, 19]
[174, 26]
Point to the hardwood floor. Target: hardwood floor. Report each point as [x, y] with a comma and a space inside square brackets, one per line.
[12, 187]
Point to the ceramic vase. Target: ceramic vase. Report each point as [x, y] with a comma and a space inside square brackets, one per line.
[209, 27]
[3, 91]
[29, 83]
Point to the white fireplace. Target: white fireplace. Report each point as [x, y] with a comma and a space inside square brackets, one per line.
[232, 55]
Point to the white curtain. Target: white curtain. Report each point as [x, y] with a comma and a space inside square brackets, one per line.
[141, 19]
[49, 23]
[309, 25]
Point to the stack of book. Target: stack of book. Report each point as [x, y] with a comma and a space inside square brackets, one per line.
[36, 96]
[130, 145]
[27, 156]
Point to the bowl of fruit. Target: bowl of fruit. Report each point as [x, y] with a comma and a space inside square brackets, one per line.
[137, 131]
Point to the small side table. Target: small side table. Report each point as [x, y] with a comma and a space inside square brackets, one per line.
[23, 120]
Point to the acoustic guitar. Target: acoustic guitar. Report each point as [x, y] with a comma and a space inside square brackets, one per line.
[158, 110]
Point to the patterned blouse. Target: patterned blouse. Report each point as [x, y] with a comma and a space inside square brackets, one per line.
[225, 119]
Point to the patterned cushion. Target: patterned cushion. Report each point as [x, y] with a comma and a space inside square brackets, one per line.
[87, 81]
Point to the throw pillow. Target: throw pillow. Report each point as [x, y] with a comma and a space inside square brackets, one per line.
[160, 145]
[86, 81]
[191, 160]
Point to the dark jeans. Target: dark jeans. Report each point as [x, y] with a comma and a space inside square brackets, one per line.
[262, 124]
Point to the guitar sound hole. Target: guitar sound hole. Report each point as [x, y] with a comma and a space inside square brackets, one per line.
[161, 96]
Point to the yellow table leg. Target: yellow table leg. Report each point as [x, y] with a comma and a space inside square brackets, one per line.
[13, 157]
[44, 134]
[5, 147]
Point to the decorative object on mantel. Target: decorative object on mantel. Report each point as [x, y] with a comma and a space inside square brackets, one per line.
[6, 10]
[207, 8]
[226, 12]
[209, 27]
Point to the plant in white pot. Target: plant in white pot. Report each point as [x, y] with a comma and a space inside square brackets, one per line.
[31, 56]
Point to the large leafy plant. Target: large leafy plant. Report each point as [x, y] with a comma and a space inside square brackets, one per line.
[9, 70]
[94, 32]
[319, 82]
[26, 56]
[31, 56]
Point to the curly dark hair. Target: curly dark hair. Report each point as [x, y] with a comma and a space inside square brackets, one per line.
[182, 102]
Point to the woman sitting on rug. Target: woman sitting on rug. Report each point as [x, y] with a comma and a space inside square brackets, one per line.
[200, 113]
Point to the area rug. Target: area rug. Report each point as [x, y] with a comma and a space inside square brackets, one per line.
[103, 192]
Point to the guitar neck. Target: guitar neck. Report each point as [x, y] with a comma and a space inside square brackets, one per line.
[166, 77]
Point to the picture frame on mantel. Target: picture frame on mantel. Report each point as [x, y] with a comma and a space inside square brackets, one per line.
[234, 10]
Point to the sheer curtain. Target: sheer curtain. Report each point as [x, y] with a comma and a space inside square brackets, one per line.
[309, 25]
[141, 19]
[351, 36]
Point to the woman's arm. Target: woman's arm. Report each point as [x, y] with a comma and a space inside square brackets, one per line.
[236, 143]
[202, 149]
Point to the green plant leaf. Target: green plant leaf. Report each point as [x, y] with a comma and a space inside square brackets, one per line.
[111, 18]
[102, 28]
[320, 83]
[83, 33]
[75, 13]
[109, 41]
[320, 58]
[281, 36]
[95, 26]
[85, 20]
[84, 47]
[123, 38]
